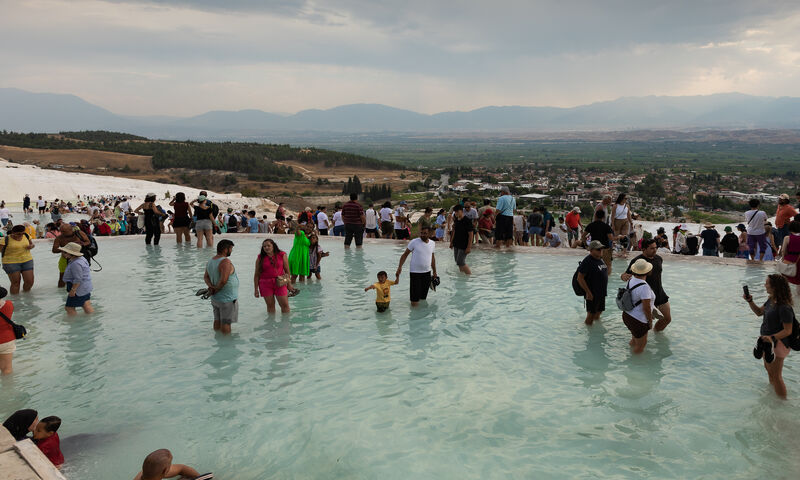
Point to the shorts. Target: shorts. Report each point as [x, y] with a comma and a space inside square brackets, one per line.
[225, 312]
[77, 301]
[62, 264]
[181, 222]
[41, 210]
[267, 288]
[760, 240]
[781, 350]
[10, 268]
[401, 234]
[317, 270]
[8, 347]
[382, 306]
[338, 230]
[203, 225]
[323, 231]
[461, 256]
[535, 230]
[637, 328]
[597, 305]
[419, 285]
[386, 229]
[728, 255]
[373, 231]
[353, 230]
[4, 221]
[504, 228]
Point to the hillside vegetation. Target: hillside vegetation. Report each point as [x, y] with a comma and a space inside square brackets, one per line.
[256, 160]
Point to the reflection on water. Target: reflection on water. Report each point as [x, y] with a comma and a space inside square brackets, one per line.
[593, 362]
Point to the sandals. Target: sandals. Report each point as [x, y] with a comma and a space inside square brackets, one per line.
[764, 349]
[294, 292]
[203, 293]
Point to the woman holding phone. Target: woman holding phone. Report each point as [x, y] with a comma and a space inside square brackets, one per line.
[776, 325]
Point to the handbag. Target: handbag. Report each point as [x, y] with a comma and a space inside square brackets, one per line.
[19, 330]
[786, 269]
[282, 280]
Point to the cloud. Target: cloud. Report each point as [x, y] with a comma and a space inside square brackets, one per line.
[186, 57]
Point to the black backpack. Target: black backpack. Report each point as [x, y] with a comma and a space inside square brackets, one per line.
[794, 339]
[232, 222]
[214, 209]
[576, 287]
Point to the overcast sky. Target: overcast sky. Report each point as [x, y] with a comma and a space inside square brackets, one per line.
[163, 57]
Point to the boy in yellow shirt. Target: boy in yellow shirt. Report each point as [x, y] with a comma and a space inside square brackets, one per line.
[382, 290]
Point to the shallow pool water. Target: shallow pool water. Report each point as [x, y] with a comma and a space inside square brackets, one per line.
[496, 377]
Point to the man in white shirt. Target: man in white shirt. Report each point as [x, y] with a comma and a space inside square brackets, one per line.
[338, 223]
[756, 234]
[387, 220]
[41, 204]
[322, 221]
[400, 231]
[422, 263]
[125, 206]
[371, 221]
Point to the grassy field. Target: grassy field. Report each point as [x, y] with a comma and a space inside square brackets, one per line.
[703, 157]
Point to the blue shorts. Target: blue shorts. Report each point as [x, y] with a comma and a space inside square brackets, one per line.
[10, 268]
[317, 270]
[77, 301]
[535, 230]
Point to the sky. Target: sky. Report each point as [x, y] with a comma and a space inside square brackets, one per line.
[182, 58]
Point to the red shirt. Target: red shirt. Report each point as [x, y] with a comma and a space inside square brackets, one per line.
[351, 212]
[572, 220]
[51, 447]
[6, 332]
[784, 215]
[486, 222]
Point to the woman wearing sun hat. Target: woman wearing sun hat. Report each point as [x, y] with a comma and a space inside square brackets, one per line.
[78, 277]
[639, 320]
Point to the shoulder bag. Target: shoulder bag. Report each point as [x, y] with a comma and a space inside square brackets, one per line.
[19, 330]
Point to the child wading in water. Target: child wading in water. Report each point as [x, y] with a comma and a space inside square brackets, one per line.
[382, 289]
[315, 254]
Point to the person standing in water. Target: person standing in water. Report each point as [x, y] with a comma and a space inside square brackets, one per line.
[423, 262]
[78, 277]
[593, 279]
[271, 264]
[776, 326]
[182, 219]
[223, 285]
[661, 301]
[152, 219]
[204, 225]
[461, 239]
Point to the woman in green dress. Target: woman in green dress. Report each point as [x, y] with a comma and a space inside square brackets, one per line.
[299, 258]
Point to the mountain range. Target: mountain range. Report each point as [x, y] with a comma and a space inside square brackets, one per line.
[47, 112]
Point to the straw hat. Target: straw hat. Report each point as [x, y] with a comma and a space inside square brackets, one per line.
[72, 248]
[641, 267]
[708, 225]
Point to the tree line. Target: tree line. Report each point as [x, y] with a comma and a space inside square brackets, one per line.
[256, 160]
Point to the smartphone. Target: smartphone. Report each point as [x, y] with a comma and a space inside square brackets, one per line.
[746, 291]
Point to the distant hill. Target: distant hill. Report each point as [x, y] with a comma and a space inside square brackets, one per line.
[259, 161]
[42, 112]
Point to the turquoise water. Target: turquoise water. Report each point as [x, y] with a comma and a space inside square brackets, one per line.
[497, 377]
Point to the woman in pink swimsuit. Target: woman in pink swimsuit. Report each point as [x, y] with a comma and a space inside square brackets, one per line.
[270, 264]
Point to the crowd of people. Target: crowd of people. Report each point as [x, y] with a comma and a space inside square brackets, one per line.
[644, 303]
